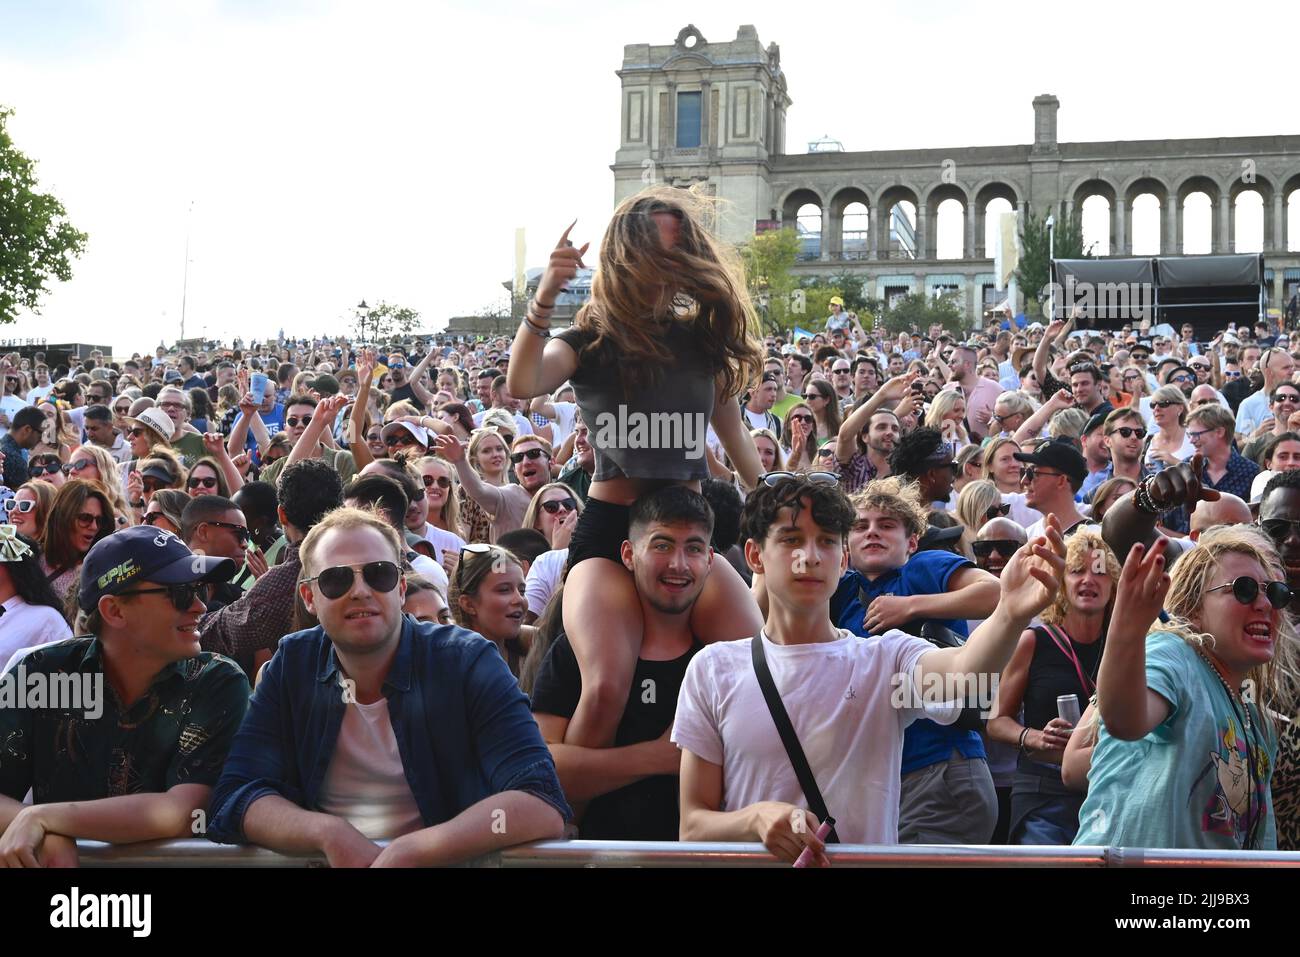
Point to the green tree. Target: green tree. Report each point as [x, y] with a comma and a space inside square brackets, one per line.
[917, 313]
[36, 240]
[386, 321]
[1033, 273]
[768, 258]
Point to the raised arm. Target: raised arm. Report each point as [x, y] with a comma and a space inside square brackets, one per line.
[1033, 426]
[538, 364]
[489, 496]
[891, 392]
[735, 438]
[421, 393]
[327, 410]
[1126, 525]
[214, 446]
[1130, 709]
[1044, 350]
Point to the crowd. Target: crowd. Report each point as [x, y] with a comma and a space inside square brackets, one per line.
[655, 577]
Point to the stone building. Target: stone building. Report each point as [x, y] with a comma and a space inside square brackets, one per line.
[695, 111]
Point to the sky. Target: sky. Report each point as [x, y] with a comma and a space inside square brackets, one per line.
[319, 153]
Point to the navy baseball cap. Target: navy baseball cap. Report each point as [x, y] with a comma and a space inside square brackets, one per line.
[145, 553]
[1059, 455]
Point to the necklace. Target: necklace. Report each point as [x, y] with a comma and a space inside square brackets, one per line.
[1252, 819]
[1233, 696]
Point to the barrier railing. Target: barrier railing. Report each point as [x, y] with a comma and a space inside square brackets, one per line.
[649, 854]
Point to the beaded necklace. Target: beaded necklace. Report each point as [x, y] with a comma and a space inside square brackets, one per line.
[1242, 715]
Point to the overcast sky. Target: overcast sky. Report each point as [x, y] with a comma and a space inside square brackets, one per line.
[387, 151]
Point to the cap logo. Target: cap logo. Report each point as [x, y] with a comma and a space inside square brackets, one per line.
[163, 538]
[118, 573]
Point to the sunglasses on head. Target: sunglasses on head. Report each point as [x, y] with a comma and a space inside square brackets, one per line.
[568, 504]
[441, 480]
[1246, 590]
[182, 596]
[1005, 547]
[772, 479]
[518, 457]
[206, 481]
[337, 581]
[1127, 432]
[13, 505]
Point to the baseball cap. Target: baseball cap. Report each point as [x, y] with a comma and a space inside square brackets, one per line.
[172, 375]
[836, 301]
[159, 473]
[1095, 423]
[326, 384]
[935, 536]
[155, 419]
[418, 432]
[1059, 455]
[144, 553]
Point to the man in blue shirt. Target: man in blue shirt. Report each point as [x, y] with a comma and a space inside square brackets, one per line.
[374, 727]
[947, 790]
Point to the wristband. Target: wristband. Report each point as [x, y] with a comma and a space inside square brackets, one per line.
[1024, 733]
[542, 305]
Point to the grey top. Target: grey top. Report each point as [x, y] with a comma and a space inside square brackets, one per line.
[658, 432]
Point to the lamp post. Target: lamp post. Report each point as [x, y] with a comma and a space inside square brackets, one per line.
[363, 311]
[1051, 258]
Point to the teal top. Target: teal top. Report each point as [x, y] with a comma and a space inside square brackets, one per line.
[1190, 782]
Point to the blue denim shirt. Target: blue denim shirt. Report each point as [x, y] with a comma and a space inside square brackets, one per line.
[464, 729]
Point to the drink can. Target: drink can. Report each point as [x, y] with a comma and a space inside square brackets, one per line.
[1067, 708]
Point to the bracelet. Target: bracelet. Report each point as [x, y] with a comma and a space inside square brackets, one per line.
[541, 332]
[1024, 733]
[541, 305]
[1143, 501]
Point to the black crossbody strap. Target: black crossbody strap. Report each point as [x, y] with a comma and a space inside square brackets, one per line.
[793, 748]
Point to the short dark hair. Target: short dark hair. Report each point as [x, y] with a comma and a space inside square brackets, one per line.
[913, 450]
[308, 491]
[830, 507]
[802, 359]
[383, 493]
[670, 505]
[727, 504]
[526, 543]
[203, 508]
[1290, 479]
[29, 416]
[299, 399]
[98, 413]
[1088, 368]
[257, 500]
[498, 383]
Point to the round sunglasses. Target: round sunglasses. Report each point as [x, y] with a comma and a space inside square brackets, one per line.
[1246, 590]
[441, 481]
[337, 581]
[208, 481]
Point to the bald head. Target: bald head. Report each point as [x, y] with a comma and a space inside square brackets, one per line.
[1228, 510]
[1002, 531]
[1202, 393]
[1002, 528]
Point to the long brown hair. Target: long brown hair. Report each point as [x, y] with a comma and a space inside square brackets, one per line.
[60, 553]
[639, 285]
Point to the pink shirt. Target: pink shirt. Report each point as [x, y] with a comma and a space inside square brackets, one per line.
[979, 405]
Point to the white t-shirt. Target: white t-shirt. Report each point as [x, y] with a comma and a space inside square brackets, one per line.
[544, 578]
[365, 782]
[9, 405]
[442, 540]
[25, 626]
[1021, 513]
[39, 392]
[840, 696]
[522, 425]
[562, 424]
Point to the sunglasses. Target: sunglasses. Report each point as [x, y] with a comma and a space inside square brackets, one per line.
[814, 395]
[153, 517]
[1181, 379]
[86, 520]
[399, 438]
[1128, 432]
[1278, 529]
[1286, 397]
[122, 409]
[13, 505]
[242, 534]
[1246, 590]
[441, 480]
[1232, 375]
[1166, 403]
[209, 482]
[531, 454]
[78, 466]
[801, 417]
[568, 504]
[135, 431]
[182, 596]
[44, 468]
[997, 511]
[477, 548]
[1005, 547]
[337, 581]
[153, 485]
[772, 479]
[293, 421]
[1030, 472]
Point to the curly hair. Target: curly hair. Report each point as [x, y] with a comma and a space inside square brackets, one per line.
[912, 450]
[829, 505]
[894, 497]
[1085, 547]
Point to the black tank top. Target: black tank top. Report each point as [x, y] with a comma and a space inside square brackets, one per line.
[1052, 673]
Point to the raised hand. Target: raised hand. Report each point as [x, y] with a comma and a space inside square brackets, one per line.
[1181, 485]
[256, 561]
[1143, 584]
[214, 444]
[331, 406]
[566, 260]
[899, 386]
[449, 447]
[243, 462]
[248, 405]
[1030, 581]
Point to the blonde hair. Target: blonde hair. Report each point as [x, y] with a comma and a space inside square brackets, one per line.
[700, 282]
[476, 441]
[535, 507]
[893, 497]
[1171, 393]
[450, 513]
[973, 504]
[109, 476]
[778, 460]
[399, 408]
[1084, 548]
[1068, 423]
[1276, 681]
[991, 452]
[345, 519]
[942, 404]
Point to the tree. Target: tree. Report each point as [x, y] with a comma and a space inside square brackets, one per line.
[917, 313]
[386, 321]
[36, 240]
[1033, 273]
[768, 258]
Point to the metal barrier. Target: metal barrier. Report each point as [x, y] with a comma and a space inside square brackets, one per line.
[192, 852]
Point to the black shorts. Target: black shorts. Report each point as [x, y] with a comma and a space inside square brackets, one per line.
[602, 530]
